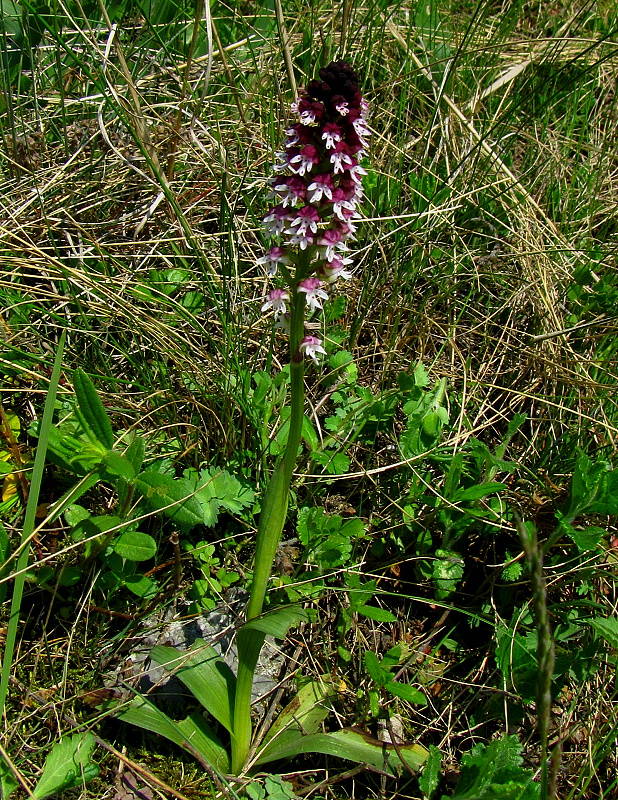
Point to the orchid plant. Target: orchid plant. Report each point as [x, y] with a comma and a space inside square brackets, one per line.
[318, 186]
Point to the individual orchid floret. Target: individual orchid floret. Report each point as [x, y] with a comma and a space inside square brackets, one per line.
[272, 259]
[341, 158]
[276, 220]
[331, 241]
[315, 294]
[291, 190]
[322, 186]
[335, 269]
[311, 346]
[305, 160]
[305, 219]
[276, 301]
[332, 134]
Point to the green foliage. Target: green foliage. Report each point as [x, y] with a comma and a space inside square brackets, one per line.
[328, 540]
[68, 764]
[381, 672]
[495, 772]
[430, 776]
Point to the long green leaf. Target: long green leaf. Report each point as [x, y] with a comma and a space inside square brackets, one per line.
[193, 733]
[276, 622]
[303, 715]
[352, 745]
[91, 413]
[205, 674]
[29, 520]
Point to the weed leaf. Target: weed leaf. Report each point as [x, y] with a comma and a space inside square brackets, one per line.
[92, 416]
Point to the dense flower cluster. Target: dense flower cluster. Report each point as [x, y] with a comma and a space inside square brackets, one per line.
[317, 187]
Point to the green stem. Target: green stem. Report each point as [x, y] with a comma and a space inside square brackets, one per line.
[272, 519]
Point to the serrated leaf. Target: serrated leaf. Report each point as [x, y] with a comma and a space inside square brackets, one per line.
[607, 628]
[174, 497]
[430, 776]
[193, 733]
[277, 622]
[587, 539]
[447, 571]
[90, 410]
[205, 674]
[352, 745]
[494, 772]
[135, 546]
[68, 764]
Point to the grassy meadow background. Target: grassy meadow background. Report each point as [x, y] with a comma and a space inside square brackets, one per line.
[468, 394]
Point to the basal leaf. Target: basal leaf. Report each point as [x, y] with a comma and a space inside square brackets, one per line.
[352, 745]
[68, 764]
[607, 628]
[375, 613]
[303, 715]
[205, 674]
[8, 782]
[90, 410]
[193, 733]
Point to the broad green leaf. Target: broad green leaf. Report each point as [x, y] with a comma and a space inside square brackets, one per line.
[193, 733]
[90, 411]
[68, 764]
[375, 613]
[587, 539]
[141, 586]
[375, 670]
[276, 623]
[174, 497]
[135, 453]
[205, 674]
[477, 492]
[607, 628]
[430, 777]
[352, 745]
[303, 714]
[118, 466]
[135, 546]
[406, 692]
[8, 782]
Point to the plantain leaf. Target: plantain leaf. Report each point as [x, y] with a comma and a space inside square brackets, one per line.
[193, 733]
[205, 674]
[68, 764]
[92, 416]
[350, 744]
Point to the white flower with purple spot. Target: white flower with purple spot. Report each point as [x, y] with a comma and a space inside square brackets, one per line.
[331, 133]
[276, 220]
[343, 108]
[356, 173]
[272, 259]
[290, 190]
[336, 268]
[322, 186]
[306, 219]
[304, 161]
[276, 301]
[341, 158]
[312, 287]
[331, 241]
[311, 346]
